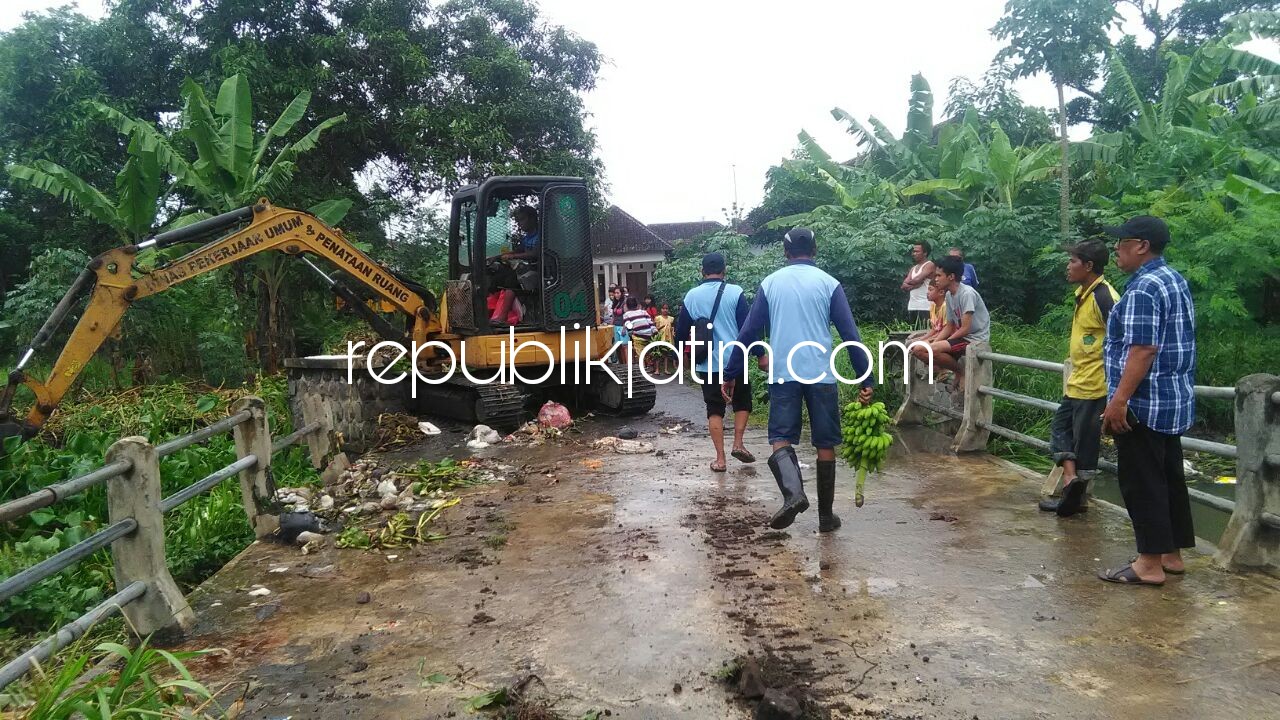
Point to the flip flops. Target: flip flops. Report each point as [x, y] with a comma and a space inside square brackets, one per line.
[743, 455]
[1126, 576]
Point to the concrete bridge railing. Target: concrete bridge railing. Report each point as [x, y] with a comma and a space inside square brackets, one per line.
[145, 591]
[1252, 537]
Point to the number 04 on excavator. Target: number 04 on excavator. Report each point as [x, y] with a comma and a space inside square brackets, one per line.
[547, 276]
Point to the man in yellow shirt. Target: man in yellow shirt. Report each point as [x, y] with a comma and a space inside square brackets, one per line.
[1076, 433]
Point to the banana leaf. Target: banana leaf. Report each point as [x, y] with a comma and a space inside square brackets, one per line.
[235, 108]
[67, 187]
[138, 189]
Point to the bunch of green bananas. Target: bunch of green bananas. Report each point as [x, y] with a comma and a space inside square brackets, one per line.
[866, 443]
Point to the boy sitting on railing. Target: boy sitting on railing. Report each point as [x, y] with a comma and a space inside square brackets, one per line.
[967, 319]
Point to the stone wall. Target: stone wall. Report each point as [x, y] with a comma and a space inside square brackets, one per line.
[352, 409]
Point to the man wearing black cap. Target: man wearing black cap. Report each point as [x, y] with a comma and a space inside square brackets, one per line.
[1150, 360]
[798, 305]
[725, 307]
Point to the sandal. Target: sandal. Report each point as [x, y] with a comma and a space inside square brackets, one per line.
[1126, 576]
[744, 455]
[718, 468]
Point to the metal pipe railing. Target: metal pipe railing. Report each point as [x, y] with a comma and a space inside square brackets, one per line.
[50, 494]
[69, 633]
[209, 481]
[1014, 435]
[1022, 362]
[1208, 446]
[294, 436]
[204, 433]
[1018, 398]
[949, 412]
[58, 562]
[1215, 392]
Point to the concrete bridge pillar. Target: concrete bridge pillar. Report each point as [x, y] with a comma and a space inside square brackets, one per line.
[1252, 537]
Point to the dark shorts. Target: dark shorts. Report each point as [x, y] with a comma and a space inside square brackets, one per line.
[714, 399]
[786, 402]
[1076, 433]
[958, 346]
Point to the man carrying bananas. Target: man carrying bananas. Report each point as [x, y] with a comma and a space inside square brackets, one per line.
[797, 305]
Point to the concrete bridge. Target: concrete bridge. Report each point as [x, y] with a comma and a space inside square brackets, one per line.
[627, 582]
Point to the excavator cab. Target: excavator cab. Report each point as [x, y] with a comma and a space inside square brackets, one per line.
[554, 287]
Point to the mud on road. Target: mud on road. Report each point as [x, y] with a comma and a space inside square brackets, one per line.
[637, 585]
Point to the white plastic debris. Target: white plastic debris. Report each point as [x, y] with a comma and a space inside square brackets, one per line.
[477, 444]
[260, 592]
[279, 569]
[326, 502]
[386, 487]
[428, 429]
[624, 447]
[307, 537]
[484, 434]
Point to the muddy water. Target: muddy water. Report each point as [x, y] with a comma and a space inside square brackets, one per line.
[625, 582]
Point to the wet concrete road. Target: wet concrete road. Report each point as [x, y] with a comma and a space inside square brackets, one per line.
[626, 587]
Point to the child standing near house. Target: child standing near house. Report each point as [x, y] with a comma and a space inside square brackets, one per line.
[666, 325]
[639, 325]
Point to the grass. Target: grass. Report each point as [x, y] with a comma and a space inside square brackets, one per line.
[142, 682]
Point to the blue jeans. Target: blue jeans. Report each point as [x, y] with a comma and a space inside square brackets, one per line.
[786, 418]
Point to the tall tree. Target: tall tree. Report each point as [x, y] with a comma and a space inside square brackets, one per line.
[1062, 38]
[230, 171]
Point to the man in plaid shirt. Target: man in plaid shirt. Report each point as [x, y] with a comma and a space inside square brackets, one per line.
[1150, 357]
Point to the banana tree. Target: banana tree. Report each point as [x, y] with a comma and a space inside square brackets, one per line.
[975, 173]
[1261, 77]
[899, 159]
[230, 171]
[1188, 140]
[138, 189]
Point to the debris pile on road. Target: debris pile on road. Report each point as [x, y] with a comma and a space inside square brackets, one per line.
[766, 682]
[396, 430]
[358, 499]
[623, 447]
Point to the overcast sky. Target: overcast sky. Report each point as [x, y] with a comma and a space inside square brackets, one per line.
[694, 89]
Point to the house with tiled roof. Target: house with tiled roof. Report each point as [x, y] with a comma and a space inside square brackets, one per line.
[626, 252]
[674, 233]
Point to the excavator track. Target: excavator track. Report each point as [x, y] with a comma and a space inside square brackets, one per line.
[496, 405]
[611, 398]
[499, 405]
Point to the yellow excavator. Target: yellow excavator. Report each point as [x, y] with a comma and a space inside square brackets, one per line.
[555, 301]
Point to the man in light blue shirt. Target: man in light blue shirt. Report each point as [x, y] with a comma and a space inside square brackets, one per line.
[797, 305]
[729, 316]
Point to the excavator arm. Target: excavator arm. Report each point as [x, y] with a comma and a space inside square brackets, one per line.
[117, 283]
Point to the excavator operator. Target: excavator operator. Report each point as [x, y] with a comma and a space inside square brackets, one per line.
[524, 248]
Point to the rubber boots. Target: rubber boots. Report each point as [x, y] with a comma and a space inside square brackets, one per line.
[827, 520]
[786, 470]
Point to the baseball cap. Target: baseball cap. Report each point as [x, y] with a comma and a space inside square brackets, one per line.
[1143, 227]
[799, 241]
[712, 263]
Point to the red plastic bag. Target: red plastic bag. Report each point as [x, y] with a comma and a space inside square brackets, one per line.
[554, 415]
